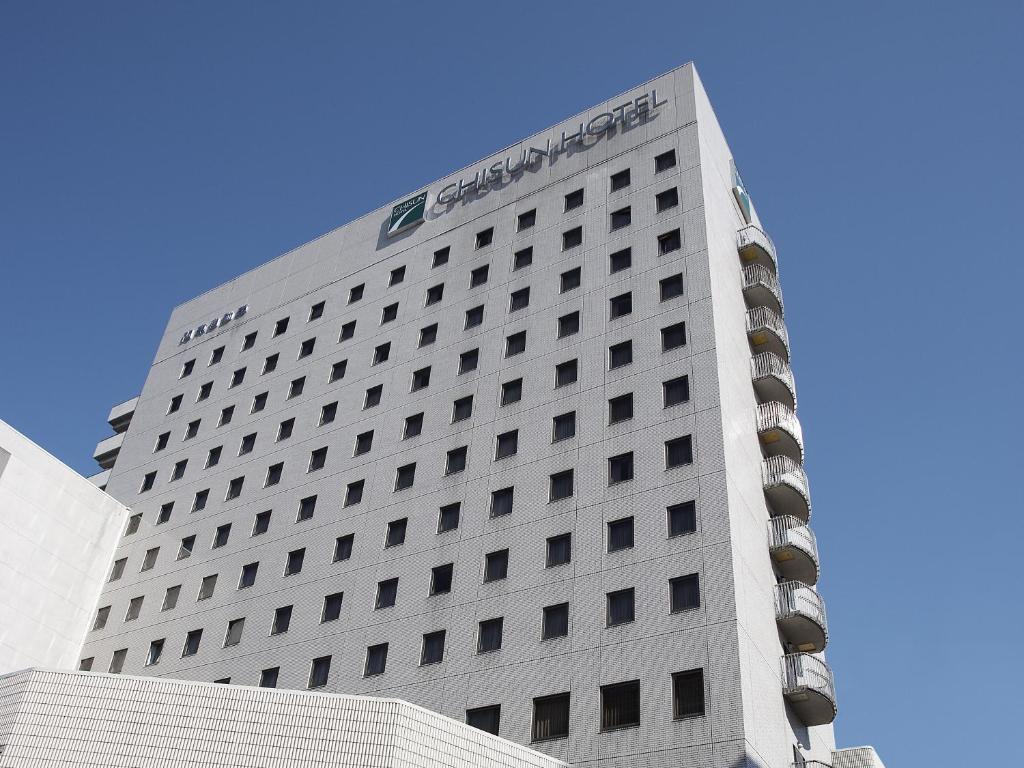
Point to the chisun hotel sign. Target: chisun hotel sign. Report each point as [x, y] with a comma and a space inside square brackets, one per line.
[411, 212]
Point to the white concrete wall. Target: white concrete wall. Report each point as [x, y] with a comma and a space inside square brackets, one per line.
[57, 537]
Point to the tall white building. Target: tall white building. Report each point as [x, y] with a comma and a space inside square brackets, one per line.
[521, 449]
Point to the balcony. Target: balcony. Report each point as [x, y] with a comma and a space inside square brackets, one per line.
[107, 450]
[786, 487]
[808, 687]
[793, 549]
[761, 288]
[121, 415]
[811, 764]
[755, 247]
[773, 379]
[767, 333]
[100, 479]
[779, 431]
[800, 613]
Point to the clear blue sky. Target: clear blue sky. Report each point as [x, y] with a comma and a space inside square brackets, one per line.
[149, 151]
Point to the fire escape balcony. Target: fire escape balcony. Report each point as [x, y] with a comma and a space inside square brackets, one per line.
[773, 379]
[767, 332]
[755, 247]
[779, 431]
[786, 487]
[809, 688]
[761, 288]
[800, 613]
[793, 549]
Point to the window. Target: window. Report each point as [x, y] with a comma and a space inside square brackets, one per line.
[328, 413]
[156, 650]
[688, 694]
[332, 607]
[620, 260]
[620, 180]
[620, 534]
[207, 587]
[621, 607]
[274, 472]
[319, 672]
[171, 598]
[259, 402]
[433, 648]
[496, 565]
[147, 482]
[117, 661]
[448, 517]
[296, 387]
[389, 313]
[165, 512]
[213, 457]
[133, 524]
[670, 241]
[397, 276]
[405, 476]
[622, 218]
[455, 461]
[559, 550]
[572, 238]
[441, 257]
[316, 311]
[621, 305]
[381, 353]
[676, 391]
[248, 575]
[620, 468]
[175, 404]
[317, 459]
[101, 618]
[555, 621]
[268, 677]
[354, 492]
[441, 579]
[376, 660]
[620, 705]
[487, 719]
[561, 485]
[187, 368]
[343, 547]
[387, 592]
[216, 356]
[338, 371]
[474, 317]
[566, 373]
[247, 444]
[570, 280]
[478, 276]
[348, 330]
[280, 327]
[221, 535]
[519, 299]
[293, 564]
[526, 220]
[117, 570]
[489, 635]
[620, 354]
[420, 379]
[484, 237]
[667, 199]
[150, 559]
[306, 508]
[563, 427]
[550, 717]
[462, 408]
[515, 344]
[671, 287]
[284, 429]
[620, 408]
[568, 324]
[85, 665]
[192, 429]
[507, 444]
[502, 501]
[396, 532]
[161, 441]
[664, 161]
[179, 469]
[428, 335]
[522, 258]
[134, 608]
[234, 489]
[200, 499]
[364, 442]
[574, 199]
[249, 341]
[355, 293]
[684, 593]
[679, 452]
[306, 348]
[435, 294]
[237, 378]
[413, 426]
[372, 398]
[261, 523]
[511, 391]
[192, 640]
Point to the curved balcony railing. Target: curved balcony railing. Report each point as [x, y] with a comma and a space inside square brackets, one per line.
[808, 686]
[780, 431]
[767, 332]
[755, 246]
[800, 612]
[761, 288]
[773, 379]
[794, 549]
[786, 487]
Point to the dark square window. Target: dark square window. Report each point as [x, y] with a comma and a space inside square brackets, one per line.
[192, 640]
[566, 373]
[247, 444]
[621, 607]
[570, 280]
[307, 507]
[519, 299]
[204, 391]
[389, 313]
[294, 562]
[620, 408]
[245, 579]
[555, 622]
[199, 502]
[484, 237]
[387, 593]
[688, 694]
[306, 348]
[355, 293]
[574, 199]
[620, 468]
[676, 391]
[620, 305]
[117, 570]
[372, 397]
[420, 379]
[364, 442]
[441, 257]
[496, 565]
[192, 429]
[282, 620]
[670, 241]
[622, 218]
[161, 441]
[280, 326]
[165, 512]
[296, 387]
[175, 404]
[405, 476]
[455, 460]
[448, 517]
[343, 547]
[679, 452]
[671, 287]
[664, 161]
[332, 607]
[209, 583]
[187, 368]
[268, 677]
[489, 635]
[462, 408]
[673, 336]
[620, 354]
[511, 391]
[381, 353]
[620, 534]
[522, 258]
[620, 260]
[563, 426]
[376, 660]
[354, 492]
[319, 672]
[507, 444]
[572, 238]
[478, 276]
[397, 276]
[468, 361]
[220, 537]
[515, 344]
[474, 317]
[667, 199]
[270, 364]
[435, 294]
[348, 330]
[317, 311]
[501, 501]
[684, 592]
[133, 524]
[433, 648]
[561, 485]
[237, 378]
[413, 426]
[559, 550]
[216, 356]
[317, 459]
[526, 220]
[396, 532]
[550, 718]
[620, 180]
[261, 523]
[441, 579]
[487, 719]
[259, 402]
[249, 341]
[620, 705]
[328, 413]
[285, 429]
[428, 335]
[156, 649]
[234, 488]
[185, 548]
[568, 324]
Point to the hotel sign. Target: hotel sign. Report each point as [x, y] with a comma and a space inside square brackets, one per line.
[407, 214]
[217, 322]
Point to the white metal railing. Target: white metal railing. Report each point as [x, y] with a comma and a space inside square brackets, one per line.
[776, 415]
[794, 598]
[766, 364]
[763, 317]
[802, 671]
[752, 235]
[811, 764]
[782, 470]
[758, 274]
[790, 531]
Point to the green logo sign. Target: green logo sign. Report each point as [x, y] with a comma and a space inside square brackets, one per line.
[407, 214]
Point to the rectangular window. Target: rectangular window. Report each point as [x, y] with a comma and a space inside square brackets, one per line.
[247, 444]
[274, 473]
[296, 387]
[387, 593]
[85, 665]
[396, 532]
[455, 460]
[550, 717]
[563, 427]
[570, 280]
[440, 257]
[676, 391]
[620, 260]
[568, 324]
[620, 354]
[117, 661]
[234, 633]
[200, 499]
[207, 587]
[165, 512]
[216, 356]
[192, 640]
[462, 408]
[621, 608]
[234, 489]
[281, 326]
[671, 287]
[319, 672]
[133, 524]
[667, 199]
[192, 429]
[348, 330]
[307, 507]
[574, 199]
[381, 353]
[489, 635]
[249, 341]
[338, 370]
[433, 648]
[306, 348]
[519, 299]
[413, 426]
[147, 482]
[171, 598]
[688, 694]
[561, 485]
[526, 220]
[620, 180]
[270, 364]
[355, 293]
[364, 443]
[316, 311]
[187, 368]
[522, 258]
[620, 306]
[343, 547]
[441, 579]
[134, 608]
[262, 523]
[673, 336]
[435, 294]
[389, 313]
[621, 218]
[566, 373]
[247, 577]
[511, 391]
[448, 517]
[101, 618]
[684, 593]
[174, 404]
[373, 395]
[559, 550]
[484, 237]
[496, 565]
[213, 456]
[332, 607]
[354, 492]
[259, 402]
[317, 459]
[515, 344]
[664, 161]
[428, 335]
[507, 444]
[620, 468]
[156, 650]
[620, 705]
[161, 441]
[293, 564]
[502, 501]
[670, 241]
[405, 476]
[572, 238]
[620, 408]
[620, 534]
[679, 452]
[268, 677]
[204, 391]
[376, 660]
[474, 317]
[149, 561]
[179, 469]
[478, 276]
[555, 622]
[328, 413]
[486, 719]
[397, 276]
[469, 360]
[221, 536]
[282, 620]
